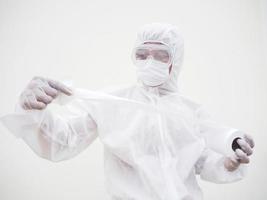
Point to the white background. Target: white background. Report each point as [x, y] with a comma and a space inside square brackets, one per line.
[90, 42]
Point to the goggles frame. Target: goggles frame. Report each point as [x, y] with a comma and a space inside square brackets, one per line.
[152, 45]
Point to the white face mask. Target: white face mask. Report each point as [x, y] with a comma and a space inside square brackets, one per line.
[152, 72]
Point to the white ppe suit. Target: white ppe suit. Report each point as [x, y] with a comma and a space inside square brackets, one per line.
[154, 138]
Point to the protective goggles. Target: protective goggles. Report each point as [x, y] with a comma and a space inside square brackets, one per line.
[159, 52]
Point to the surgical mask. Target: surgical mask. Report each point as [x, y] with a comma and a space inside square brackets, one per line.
[152, 72]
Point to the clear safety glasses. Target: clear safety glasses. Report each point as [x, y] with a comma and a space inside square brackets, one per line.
[158, 52]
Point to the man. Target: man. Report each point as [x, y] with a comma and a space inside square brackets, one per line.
[152, 152]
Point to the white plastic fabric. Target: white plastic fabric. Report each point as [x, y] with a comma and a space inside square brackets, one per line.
[155, 139]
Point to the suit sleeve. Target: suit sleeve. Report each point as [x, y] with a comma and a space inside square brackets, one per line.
[52, 136]
[210, 165]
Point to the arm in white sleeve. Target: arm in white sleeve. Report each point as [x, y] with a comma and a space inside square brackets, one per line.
[211, 165]
[52, 136]
[211, 168]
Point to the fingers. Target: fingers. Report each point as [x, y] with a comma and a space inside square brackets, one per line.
[249, 140]
[37, 105]
[231, 163]
[245, 146]
[30, 102]
[40, 92]
[59, 86]
[50, 86]
[241, 156]
[41, 96]
[50, 91]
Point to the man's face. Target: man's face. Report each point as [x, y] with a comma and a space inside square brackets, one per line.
[159, 43]
[153, 61]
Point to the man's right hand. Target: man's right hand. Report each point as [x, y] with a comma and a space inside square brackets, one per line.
[40, 92]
